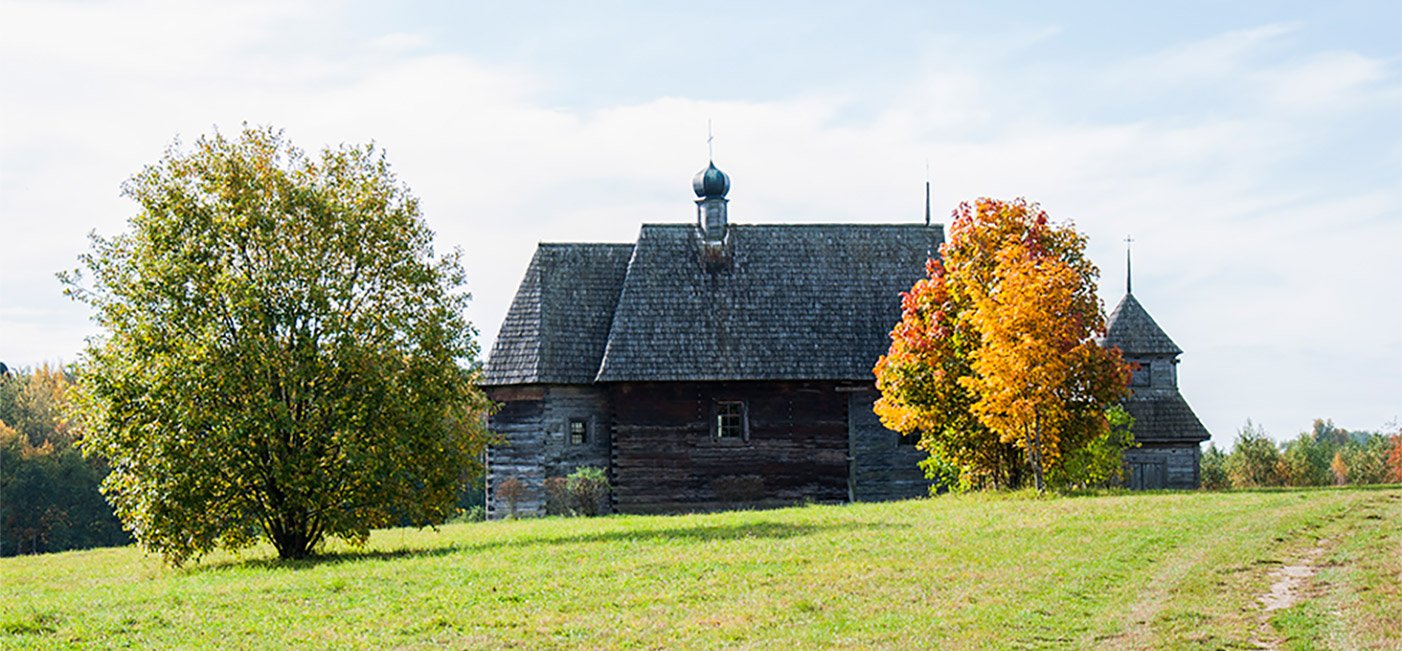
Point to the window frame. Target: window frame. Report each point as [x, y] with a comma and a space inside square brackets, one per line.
[719, 407]
[583, 438]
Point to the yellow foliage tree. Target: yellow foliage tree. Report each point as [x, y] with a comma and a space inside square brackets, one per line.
[994, 362]
[1041, 379]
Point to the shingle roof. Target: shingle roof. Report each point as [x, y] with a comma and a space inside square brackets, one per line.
[797, 302]
[1161, 415]
[1132, 329]
[558, 323]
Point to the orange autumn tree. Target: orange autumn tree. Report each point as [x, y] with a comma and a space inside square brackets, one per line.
[1394, 457]
[994, 363]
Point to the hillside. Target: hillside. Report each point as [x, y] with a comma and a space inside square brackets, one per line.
[1123, 571]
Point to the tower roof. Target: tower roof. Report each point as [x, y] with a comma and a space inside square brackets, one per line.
[1132, 329]
[1164, 415]
[711, 183]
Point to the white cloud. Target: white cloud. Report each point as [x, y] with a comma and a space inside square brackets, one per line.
[400, 42]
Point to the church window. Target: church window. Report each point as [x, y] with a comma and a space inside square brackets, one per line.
[731, 420]
[579, 431]
[1141, 375]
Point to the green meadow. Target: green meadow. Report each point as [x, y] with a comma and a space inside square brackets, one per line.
[1154, 570]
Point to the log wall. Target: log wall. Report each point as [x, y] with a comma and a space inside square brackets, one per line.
[1159, 465]
[884, 467]
[534, 423]
[666, 458]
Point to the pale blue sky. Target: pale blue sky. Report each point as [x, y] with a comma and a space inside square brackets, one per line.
[1253, 149]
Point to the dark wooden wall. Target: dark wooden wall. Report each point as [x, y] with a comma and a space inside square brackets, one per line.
[665, 458]
[534, 421]
[884, 467]
[1158, 465]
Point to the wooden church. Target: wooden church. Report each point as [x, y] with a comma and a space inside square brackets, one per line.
[713, 365]
[1169, 433]
[708, 365]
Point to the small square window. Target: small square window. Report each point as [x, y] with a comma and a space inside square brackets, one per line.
[1141, 376]
[579, 431]
[731, 422]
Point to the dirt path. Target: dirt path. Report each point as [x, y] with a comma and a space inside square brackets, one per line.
[1138, 619]
[1287, 584]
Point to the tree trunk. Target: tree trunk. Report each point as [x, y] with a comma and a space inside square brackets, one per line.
[292, 542]
[1035, 451]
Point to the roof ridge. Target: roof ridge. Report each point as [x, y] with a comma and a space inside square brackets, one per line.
[598, 244]
[798, 226]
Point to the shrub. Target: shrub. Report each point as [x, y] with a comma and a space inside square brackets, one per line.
[510, 491]
[589, 490]
[1100, 462]
[557, 496]
[583, 492]
[1306, 461]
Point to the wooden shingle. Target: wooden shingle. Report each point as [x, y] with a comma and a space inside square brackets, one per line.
[558, 323]
[790, 302]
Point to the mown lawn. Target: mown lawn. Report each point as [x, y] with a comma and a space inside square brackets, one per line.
[1168, 570]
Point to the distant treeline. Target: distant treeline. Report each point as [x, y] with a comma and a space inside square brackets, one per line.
[49, 494]
[1324, 456]
[49, 499]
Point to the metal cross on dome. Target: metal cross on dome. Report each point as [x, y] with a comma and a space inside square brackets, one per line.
[710, 151]
[1129, 281]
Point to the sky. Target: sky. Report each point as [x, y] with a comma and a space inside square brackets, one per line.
[1253, 150]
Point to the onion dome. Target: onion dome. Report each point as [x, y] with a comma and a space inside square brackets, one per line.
[711, 183]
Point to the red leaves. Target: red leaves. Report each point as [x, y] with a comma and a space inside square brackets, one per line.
[995, 346]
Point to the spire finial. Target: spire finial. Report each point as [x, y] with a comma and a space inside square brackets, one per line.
[1129, 278]
[710, 150]
[927, 192]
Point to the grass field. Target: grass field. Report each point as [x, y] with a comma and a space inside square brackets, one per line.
[1168, 570]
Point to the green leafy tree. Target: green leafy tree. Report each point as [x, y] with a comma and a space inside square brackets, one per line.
[1255, 459]
[1214, 469]
[1305, 460]
[1099, 463]
[285, 355]
[1366, 459]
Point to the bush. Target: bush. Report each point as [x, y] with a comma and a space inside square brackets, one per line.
[1394, 458]
[557, 496]
[584, 492]
[1366, 461]
[510, 491]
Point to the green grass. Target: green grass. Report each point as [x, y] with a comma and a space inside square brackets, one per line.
[1157, 570]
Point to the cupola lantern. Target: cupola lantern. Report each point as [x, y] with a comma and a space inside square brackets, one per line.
[711, 186]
